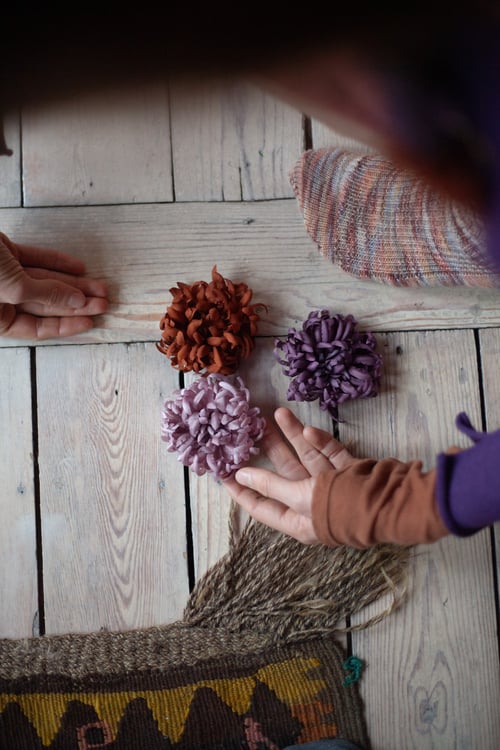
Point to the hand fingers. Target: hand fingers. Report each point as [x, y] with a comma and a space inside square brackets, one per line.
[57, 287]
[295, 494]
[31, 255]
[92, 306]
[53, 295]
[283, 459]
[16, 286]
[24, 326]
[272, 513]
[310, 457]
[89, 287]
[58, 293]
[332, 449]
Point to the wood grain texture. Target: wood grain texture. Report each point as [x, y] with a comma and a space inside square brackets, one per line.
[431, 678]
[145, 250]
[107, 148]
[490, 357]
[206, 158]
[325, 137]
[113, 517]
[211, 525]
[18, 565]
[233, 143]
[10, 166]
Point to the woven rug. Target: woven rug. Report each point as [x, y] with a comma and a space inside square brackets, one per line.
[253, 664]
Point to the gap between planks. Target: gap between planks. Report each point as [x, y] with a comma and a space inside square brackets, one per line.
[143, 251]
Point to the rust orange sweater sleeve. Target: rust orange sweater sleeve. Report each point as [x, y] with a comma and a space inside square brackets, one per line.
[370, 502]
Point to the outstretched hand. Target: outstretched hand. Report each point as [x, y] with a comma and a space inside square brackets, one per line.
[283, 499]
[43, 293]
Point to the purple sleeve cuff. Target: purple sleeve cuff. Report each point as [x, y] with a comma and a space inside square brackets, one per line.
[468, 483]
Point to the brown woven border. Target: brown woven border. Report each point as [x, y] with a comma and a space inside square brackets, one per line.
[105, 661]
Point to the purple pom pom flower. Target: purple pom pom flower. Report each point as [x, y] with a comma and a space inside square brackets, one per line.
[329, 360]
[211, 425]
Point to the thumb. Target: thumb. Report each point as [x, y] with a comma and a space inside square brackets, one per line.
[52, 294]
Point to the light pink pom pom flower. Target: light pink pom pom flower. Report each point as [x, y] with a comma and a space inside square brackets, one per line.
[211, 426]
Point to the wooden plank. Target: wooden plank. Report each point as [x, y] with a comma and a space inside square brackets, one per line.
[233, 143]
[490, 357]
[431, 675]
[210, 503]
[271, 139]
[145, 250]
[113, 147]
[326, 137]
[206, 159]
[112, 499]
[10, 166]
[18, 564]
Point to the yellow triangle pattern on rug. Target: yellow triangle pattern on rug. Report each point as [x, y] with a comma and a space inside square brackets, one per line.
[254, 662]
[170, 707]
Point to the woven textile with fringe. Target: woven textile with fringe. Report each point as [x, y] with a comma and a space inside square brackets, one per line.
[253, 664]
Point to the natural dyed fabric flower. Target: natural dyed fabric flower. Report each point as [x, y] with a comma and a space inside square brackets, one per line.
[211, 426]
[210, 326]
[329, 360]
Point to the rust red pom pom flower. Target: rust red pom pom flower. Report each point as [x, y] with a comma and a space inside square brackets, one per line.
[329, 360]
[211, 426]
[209, 327]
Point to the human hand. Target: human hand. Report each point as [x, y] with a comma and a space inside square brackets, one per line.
[43, 293]
[283, 499]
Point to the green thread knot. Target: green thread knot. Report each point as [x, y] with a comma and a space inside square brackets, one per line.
[353, 666]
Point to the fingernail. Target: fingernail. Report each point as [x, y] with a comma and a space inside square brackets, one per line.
[77, 301]
[242, 476]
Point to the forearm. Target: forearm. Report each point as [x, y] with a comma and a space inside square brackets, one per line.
[371, 502]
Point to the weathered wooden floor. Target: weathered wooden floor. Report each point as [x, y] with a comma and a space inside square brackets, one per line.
[153, 188]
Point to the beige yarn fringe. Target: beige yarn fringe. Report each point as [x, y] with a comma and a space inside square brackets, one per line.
[271, 584]
[267, 589]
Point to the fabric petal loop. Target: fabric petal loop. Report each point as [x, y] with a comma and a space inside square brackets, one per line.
[329, 360]
[211, 426]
